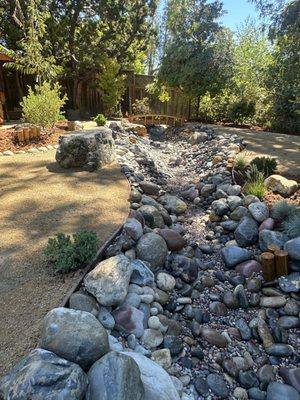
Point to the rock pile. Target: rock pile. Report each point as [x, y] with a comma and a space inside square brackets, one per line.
[178, 309]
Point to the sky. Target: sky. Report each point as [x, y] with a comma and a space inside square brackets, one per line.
[237, 12]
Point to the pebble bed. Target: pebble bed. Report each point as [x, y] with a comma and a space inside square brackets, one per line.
[180, 291]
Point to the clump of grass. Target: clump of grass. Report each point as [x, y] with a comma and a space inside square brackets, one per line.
[283, 210]
[255, 184]
[242, 160]
[291, 226]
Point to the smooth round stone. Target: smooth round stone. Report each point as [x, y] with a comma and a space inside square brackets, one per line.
[244, 329]
[256, 394]
[266, 374]
[152, 338]
[247, 268]
[291, 376]
[165, 281]
[154, 322]
[275, 301]
[218, 385]
[230, 300]
[280, 350]
[213, 337]
[162, 357]
[174, 240]
[147, 298]
[268, 224]
[288, 322]
[290, 283]
[201, 386]
[281, 391]
[240, 394]
[218, 308]
[254, 285]
[259, 211]
[248, 379]
[292, 308]
[174, 344]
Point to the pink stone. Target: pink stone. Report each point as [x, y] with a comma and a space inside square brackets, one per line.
[129, 320]
[268, 223]
[174, 240]
[247, 268]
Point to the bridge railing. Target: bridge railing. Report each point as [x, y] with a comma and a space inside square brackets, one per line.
[157, 119]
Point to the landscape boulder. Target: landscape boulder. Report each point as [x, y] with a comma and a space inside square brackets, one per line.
[153, 249]
[88, 150]
[109, 280]
[44, 375]
[281, 185]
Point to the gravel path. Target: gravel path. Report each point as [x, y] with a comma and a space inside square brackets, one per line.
[37, 201]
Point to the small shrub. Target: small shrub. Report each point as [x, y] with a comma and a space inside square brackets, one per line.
[255, 183]
[42, 106]
[266, 165]
[68, 254]
[100, 120]
[291, 226]
[283, 210]
[141, 106]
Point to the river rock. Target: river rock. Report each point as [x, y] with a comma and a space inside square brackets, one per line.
[234, 255]
[162, 357]
[280, 350]
[173, 204]
[174, 240]
[129, 320]
[279, 184]
[289, 322]
[273, 301]
[268, 224]
[293, 248]
[218, 386]
[220, 207]
[153, 249]
[152, 338]
[213, 337]
[157, 382]
[247, 268]
[152, 216]
[89, 150]
[115, 376]
[281, 391]
[109, 280]
[165, 281]
[149, 188]
[43, 375]
[133, 228]
[74, 335]
[246, 233]
[259, 211]
[141, 274]
[291, 376]
[83, 302]
[266, 238]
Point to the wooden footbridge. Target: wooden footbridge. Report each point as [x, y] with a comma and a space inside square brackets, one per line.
[156, 119]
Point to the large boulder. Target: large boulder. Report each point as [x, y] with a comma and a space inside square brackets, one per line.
[74, 335]
[109, 280]
[89, 150]
[115, 377]
[246, 233]
[157, 382]
[44, 375]
[152, 216]
[153, 249]
[281, 185]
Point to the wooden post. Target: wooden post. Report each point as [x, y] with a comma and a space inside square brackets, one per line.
[20, 136]
[281, 262]
[268, 266]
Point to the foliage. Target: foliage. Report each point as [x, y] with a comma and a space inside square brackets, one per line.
[283, 210]
[42, 106]
[266, 165]
[255, 182]
[242, 160]
[292, 225]
[68, 254]
[111, 85]
[100, 120]
[141, 106]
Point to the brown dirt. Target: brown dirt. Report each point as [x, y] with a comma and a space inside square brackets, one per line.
[38, 199]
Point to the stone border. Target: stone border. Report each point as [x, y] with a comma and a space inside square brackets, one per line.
[32, 150]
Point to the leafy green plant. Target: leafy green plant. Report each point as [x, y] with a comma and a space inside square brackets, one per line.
[100, 120]
[283, 210]
[291, 226]
[42, 106]
[67, 254]
[266, 165]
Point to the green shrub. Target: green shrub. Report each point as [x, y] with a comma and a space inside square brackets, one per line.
[283, 210]
[100, 120]
[42, 106]
[266, 165]
[291, 226]
[68, 254]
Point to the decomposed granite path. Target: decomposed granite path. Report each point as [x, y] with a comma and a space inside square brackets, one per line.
[37, 200]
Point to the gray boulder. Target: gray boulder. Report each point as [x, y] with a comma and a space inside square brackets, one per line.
[152, 216]
[267, 237]
[74, 335]
[157, 382]
[43, 375]
[293, 248]
[133, 228]
[83, 302]
[246, 233]
[141, 274]
[233, 255]
[259, 211]
[89, 150]
[115, 377]
[153, 249]
[109, 280]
